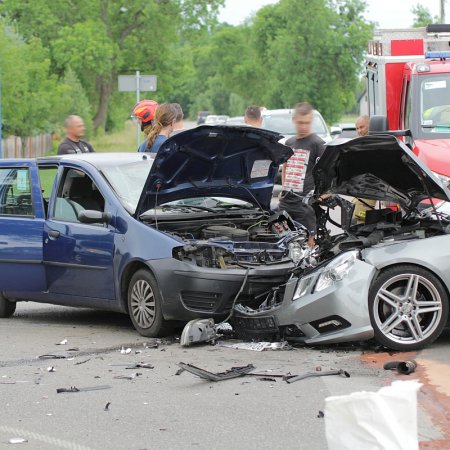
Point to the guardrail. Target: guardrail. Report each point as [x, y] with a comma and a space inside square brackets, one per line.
[29, 147]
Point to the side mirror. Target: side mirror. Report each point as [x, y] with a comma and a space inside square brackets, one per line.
[92, 216]
[335, 131]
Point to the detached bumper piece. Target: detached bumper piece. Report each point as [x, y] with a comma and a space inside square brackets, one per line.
[295, 378]
[234, 372]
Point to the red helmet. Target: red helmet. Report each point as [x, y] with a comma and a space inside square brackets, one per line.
[145, 110]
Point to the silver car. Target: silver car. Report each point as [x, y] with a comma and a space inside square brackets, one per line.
[388, 278]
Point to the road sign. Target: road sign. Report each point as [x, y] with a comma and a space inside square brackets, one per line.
[129, 83]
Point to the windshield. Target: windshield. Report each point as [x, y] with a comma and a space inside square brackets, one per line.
[435, 103]
[127, 181]
[282, 123]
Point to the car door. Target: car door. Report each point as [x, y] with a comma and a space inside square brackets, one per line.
[78, 256]
[21, 228]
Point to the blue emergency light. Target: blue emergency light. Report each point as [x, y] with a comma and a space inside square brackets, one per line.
[437, 55]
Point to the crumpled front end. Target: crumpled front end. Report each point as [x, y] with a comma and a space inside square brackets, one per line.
[324, 306]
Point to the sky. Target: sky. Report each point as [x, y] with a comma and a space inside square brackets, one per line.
[388, 13]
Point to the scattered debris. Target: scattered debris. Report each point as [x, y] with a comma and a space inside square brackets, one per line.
[51, 369]
[106, 408]
[83, 389]
[266, 379]
[127, 377]
[294, 378]
[17, 441]
[179, 371]
[256, 346]
[125, 351]
[55, 355]
[81, 362]
[320, 414]
[63, 342]
[152, 345]
[140, 365]
[234, 372]
[198, 330]
[137, 352]
[403, 367]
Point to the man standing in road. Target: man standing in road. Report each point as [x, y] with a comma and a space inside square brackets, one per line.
[253, 117]
[72, 143]
[297, 179]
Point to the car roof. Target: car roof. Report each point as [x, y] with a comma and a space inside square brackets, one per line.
[96, 159]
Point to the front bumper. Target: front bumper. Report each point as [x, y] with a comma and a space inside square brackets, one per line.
[192, 292]
[337, 314]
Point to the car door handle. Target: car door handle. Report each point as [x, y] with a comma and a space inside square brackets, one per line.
[54, 234]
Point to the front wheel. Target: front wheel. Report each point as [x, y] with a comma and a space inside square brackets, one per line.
[408, 307]
[7, 308]
[144, 305]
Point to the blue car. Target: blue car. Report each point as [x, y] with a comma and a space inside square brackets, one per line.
[165, 238]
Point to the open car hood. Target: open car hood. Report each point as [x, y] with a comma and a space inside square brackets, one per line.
[376, 167]
[237, 162]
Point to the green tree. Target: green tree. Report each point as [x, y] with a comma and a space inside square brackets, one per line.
[100, 39]
[28, 89]
[422, 16]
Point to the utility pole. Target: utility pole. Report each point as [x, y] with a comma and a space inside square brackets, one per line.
[1, 121]
[442, 11]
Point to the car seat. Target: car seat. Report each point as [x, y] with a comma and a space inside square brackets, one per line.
[82, 191]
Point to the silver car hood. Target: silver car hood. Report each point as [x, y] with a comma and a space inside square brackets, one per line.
[378, 167]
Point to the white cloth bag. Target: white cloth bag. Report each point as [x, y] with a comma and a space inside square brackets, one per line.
[383, 420]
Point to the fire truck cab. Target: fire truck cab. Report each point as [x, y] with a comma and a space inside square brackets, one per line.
[408, 82]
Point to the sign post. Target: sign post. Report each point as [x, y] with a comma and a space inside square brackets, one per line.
[138, 83]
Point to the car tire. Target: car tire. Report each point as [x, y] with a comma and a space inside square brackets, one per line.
[7, 308]
[408, 307]
[145, 305]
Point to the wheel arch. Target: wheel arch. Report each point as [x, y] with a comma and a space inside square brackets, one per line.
[380, 270]
[131, 268]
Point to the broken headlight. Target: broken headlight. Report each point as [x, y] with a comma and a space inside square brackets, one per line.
[297, 251]
[336, 270]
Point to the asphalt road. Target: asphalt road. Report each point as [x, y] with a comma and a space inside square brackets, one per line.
[159, 410]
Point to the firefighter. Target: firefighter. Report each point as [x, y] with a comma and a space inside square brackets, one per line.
[144, 112]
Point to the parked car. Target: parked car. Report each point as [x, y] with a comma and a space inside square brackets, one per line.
[388, 278]
[238, 120]
[163, 238]
[216, 120]
[280, 120]
[201, 116]
[343, 130]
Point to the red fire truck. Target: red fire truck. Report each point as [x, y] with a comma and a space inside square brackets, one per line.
[408, 82]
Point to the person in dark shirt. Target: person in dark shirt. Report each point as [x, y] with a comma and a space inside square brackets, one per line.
[297, 178]
[72, 143]
[253, 116]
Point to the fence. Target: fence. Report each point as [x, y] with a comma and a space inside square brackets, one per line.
[29, 147]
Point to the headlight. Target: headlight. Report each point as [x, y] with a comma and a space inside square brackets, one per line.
[336, 270]
[303, 286]
[443, 179]
[296, 251]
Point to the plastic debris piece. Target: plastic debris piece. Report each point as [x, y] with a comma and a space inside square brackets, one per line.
[234, 372]
[384, 419]
[55, 355]
[320, 414]
[256, 346]
[136, 352]
[51, 369]
[81, 362]
[293, 379]
[179, 371]
[63, 342]
[106, 408]
[17, 440]
[125, 351]
[266, 379]
[83, 389]
[140, 365]
[127, 377]
[403, 367]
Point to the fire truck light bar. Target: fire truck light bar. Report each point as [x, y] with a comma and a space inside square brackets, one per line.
[437, 55]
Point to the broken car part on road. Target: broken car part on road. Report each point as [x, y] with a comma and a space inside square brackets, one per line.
[234, 372]
[292, 379]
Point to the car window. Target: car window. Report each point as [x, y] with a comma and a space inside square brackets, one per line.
[15, 192]
[76, 192]
[47, 175]
[282, 123]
